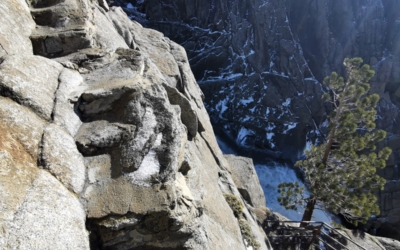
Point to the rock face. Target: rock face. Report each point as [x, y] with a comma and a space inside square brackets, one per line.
[104, 132]
[246, 180]
[261, 64]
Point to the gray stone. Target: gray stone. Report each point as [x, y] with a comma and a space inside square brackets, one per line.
[188, 114]
[49, 218]
[61, 158]
[17, 173]
[361, 238]
[16, 26]
[119, 196]
[69, 89]
[98, 168]
[23, 124]
[63, 27]
[101, 134]
[31, 81]
[203, 162]
[104, 5]
[122, 26]
[388, 243]
[246, 180]
[106, 34]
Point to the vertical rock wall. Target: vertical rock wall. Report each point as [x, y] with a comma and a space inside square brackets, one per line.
[110, 137]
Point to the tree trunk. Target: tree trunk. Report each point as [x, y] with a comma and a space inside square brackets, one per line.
[308, 212]
[328, 146]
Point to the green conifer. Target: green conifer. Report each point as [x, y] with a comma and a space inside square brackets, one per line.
[341, 173]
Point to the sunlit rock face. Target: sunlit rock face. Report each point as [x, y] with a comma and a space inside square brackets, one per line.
[105, 142]
[261, 63]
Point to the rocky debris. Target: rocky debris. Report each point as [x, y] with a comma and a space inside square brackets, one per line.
[245, 177]
[261, 64]
[107, 144]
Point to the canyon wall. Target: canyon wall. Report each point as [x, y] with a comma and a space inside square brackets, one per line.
[261, 63]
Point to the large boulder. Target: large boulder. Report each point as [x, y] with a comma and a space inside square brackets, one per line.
[245, 177]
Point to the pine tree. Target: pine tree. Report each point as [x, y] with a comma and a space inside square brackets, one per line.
[341, 173]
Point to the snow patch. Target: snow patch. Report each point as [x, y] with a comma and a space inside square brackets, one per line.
[246, 101]
[242, 135]
[287, 102]
[233, 76]
[253, 109]
[270, 177]
[246, 119]
[221, 107]
[289, 126]
[269, 138]
[267, 111]
[325, 123]
[149, 167]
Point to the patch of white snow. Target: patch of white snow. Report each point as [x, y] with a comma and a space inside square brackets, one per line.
[149, 167]
[247, 101]
[242, 135]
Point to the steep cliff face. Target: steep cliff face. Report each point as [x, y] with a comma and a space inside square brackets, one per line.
[261, 64]
[250, 66]
[109, 137]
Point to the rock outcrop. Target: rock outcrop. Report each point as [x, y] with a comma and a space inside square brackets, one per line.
[105, 142]
[261, 63]
[246, 180]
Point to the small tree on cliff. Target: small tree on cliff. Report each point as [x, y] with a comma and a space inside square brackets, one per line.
[341, 174]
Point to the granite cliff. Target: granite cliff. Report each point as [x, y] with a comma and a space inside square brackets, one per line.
[105, 142]
[261, 63]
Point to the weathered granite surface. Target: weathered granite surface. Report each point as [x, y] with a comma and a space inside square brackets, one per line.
[105, 142]
[245, 177]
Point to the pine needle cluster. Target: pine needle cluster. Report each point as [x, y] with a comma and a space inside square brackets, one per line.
[341, 173]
